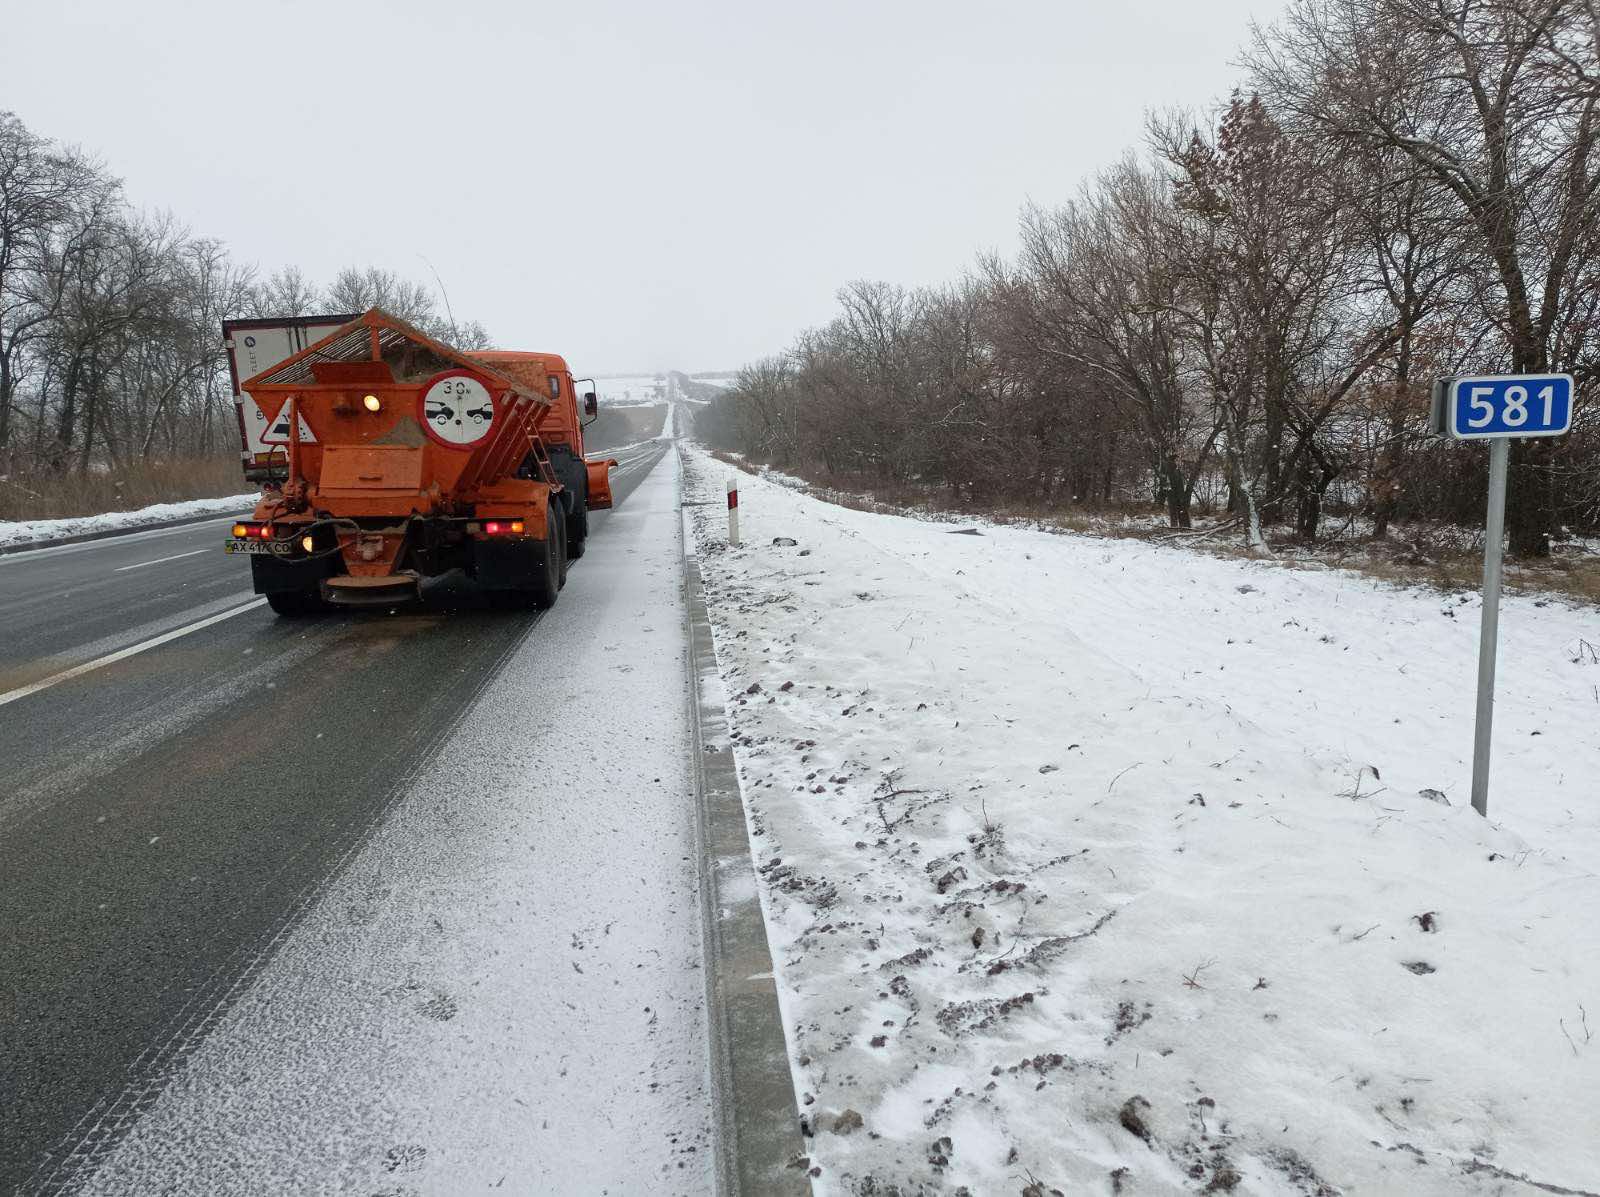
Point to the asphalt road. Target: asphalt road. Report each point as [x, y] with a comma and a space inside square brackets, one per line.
[167, 815]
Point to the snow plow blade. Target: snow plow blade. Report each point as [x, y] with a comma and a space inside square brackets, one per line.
[600, 482]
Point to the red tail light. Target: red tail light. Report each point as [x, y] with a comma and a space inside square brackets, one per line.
[503, 527]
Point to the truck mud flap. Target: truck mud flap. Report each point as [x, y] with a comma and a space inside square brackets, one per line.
[508, 564]
[274, 575]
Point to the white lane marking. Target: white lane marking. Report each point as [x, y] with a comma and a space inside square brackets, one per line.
[159, 560]
[123, 654]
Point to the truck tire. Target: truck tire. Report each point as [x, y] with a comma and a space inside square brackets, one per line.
[296, 604]
[551, 568]
[574, 476]
[559, 513]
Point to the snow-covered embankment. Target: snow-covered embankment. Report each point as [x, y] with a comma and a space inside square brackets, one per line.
[1093, 861]
[15, 533]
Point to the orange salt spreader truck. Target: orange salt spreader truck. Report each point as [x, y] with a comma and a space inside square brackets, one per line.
[408, 459]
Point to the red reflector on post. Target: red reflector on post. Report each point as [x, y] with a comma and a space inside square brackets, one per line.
[733, 498]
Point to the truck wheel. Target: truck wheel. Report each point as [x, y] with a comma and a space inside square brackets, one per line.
[296, 604]
[551, 563]
[560, 515]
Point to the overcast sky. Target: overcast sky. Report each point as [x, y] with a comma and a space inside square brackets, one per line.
[638, 185]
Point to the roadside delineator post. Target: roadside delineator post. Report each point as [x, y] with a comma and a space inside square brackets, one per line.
[733, 514]
[1497, 408]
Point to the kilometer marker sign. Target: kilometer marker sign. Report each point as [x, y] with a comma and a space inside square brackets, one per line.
[1510, 405]
[1497, 408]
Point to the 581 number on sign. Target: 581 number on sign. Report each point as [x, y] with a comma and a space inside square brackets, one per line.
[1510, 405]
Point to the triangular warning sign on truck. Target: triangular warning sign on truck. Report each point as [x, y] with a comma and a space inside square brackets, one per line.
[278, 432]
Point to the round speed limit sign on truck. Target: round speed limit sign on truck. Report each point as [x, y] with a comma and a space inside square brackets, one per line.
[456, 409]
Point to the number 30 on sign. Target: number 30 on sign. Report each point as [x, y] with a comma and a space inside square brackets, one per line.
[1509, 405]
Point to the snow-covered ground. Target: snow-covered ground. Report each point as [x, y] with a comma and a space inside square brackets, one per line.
[626, 390]
[629, 390]
[14, 532]
[1103, 866]
[502, 991]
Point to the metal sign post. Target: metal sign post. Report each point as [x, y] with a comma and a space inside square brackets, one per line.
[1489, 630]
[1497, 409]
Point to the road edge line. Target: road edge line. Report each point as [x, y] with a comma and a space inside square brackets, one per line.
[757, 1131]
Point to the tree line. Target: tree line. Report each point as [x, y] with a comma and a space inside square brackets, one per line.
[110, 319]
[1245, 314]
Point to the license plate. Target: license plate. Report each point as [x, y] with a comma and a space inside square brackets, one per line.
[269, 548]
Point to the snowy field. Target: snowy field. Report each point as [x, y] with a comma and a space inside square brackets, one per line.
[626, 390]
[1099, 866]
[13, 532]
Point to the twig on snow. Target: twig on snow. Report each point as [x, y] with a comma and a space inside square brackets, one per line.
[1562, 1023]
[1477, 1165]
[1588, 1035]
[1016, 938]
[1355, 791]
[1119, 776]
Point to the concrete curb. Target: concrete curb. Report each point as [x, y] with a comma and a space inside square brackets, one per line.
[757, 1122]
[24, 546]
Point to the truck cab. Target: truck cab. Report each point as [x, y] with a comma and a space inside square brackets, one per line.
[560, 425]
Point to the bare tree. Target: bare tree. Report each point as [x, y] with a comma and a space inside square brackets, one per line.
[1500, 104]
[1094, 289]
[355, 290]
[40, 187]
[287, 292]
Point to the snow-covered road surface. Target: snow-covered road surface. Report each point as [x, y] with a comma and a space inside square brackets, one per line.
[1105, 866]
[502, 990]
